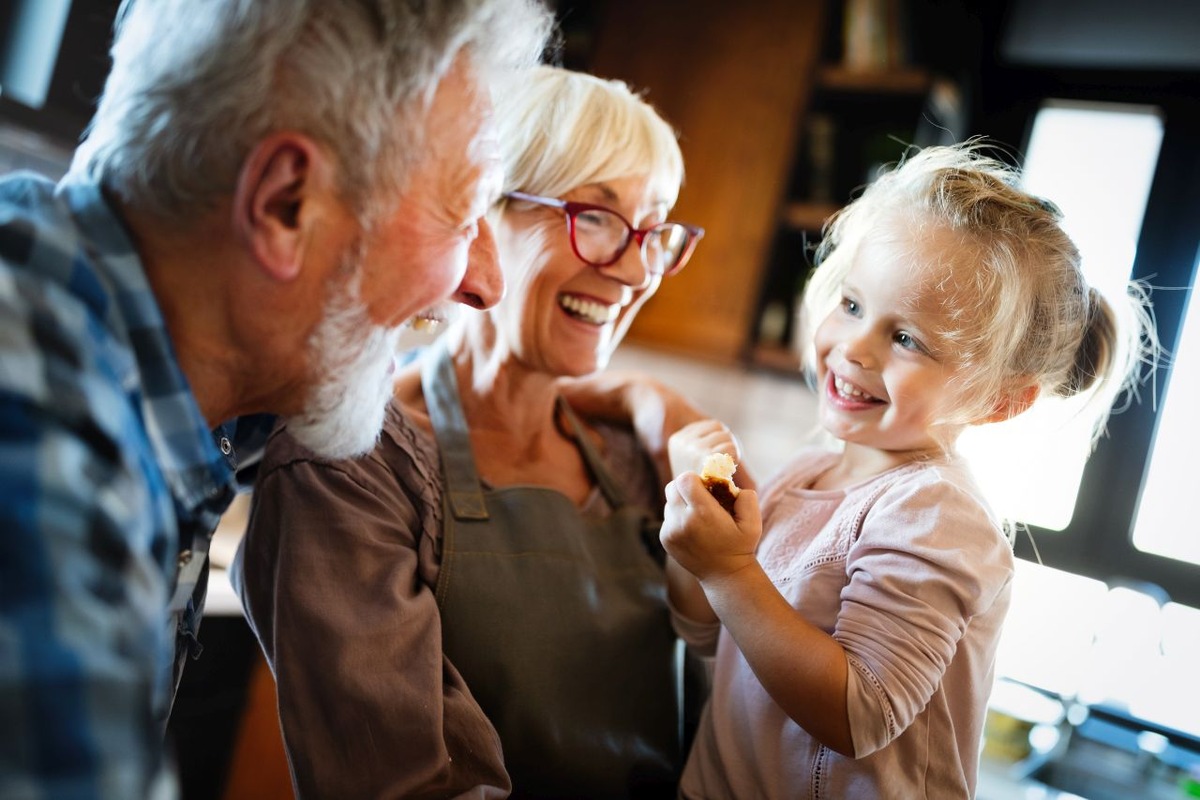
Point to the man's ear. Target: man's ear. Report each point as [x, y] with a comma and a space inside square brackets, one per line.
[276, 188]
[1012, 402]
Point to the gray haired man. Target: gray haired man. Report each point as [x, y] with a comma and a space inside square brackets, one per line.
[267, 192]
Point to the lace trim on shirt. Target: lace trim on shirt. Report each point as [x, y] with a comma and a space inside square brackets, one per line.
[880, 695]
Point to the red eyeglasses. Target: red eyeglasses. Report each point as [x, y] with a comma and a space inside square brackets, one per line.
[600, 236]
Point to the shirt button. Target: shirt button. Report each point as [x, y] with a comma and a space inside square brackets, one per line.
[185, 558]
[226, 447]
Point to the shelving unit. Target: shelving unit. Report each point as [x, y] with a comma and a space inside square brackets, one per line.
[858, 118]
[734, 80]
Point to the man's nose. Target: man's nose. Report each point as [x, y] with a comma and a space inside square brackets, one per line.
[483, 284]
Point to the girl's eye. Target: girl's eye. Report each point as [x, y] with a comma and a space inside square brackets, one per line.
[907, 341]
[850, 306]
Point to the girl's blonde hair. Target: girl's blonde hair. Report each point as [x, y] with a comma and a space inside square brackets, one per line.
[561, 129]
[1018, 308]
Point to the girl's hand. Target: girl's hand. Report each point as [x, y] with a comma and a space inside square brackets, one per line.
[688, 446]
[699, 534]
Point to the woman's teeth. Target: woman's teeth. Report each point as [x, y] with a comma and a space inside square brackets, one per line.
[848, 390]
[588, 310]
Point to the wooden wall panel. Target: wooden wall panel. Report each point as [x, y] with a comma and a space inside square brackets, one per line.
[734, 79]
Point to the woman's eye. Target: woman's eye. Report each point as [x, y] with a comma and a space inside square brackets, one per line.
[595, 219]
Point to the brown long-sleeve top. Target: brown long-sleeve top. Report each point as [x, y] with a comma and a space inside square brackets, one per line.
[337, 575]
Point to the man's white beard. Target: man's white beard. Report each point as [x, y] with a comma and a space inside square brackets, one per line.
[350, 355]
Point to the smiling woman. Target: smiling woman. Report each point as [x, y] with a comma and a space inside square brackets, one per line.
[496, 552]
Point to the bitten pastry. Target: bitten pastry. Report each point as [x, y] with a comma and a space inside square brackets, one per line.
[717, 475]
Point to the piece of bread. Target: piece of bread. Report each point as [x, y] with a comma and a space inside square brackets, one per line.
[717, 475]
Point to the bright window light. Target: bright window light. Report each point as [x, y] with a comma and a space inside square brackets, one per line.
[1158, 528]
[1095, 161]
[29, 49]
[1048, 635]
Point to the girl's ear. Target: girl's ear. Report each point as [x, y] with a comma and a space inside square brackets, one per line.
[1012, 402]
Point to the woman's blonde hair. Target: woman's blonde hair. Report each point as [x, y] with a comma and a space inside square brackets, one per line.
[1018, 308]
[561, 129]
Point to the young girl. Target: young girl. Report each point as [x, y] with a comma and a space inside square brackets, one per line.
[855, 644]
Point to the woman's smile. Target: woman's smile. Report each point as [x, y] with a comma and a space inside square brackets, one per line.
[588, 309]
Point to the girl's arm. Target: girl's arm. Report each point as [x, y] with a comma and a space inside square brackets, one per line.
[803, 669]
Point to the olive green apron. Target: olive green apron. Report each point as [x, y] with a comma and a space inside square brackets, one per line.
[557, 621]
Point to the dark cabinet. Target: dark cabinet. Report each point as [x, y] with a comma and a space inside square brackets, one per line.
[870, 101]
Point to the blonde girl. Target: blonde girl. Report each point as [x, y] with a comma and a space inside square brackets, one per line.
[855, 643]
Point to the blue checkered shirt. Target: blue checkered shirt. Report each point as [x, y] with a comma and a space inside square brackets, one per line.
[111, 484]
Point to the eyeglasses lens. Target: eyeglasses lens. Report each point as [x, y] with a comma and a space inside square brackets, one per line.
[663, 246]
[602, 236]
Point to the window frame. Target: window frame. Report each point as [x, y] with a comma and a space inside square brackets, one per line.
[1098, 542]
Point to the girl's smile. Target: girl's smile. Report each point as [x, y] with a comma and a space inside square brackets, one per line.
[848, 396]
[888, 383]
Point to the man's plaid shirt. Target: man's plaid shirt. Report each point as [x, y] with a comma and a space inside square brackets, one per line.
[111, 483]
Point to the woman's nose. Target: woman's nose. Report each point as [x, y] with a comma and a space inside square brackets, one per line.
[483, 284]
[630, 269]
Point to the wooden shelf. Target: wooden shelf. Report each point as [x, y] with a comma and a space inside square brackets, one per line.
[802, 216]
[901, 80]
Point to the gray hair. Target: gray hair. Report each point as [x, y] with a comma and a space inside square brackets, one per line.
[196, 83]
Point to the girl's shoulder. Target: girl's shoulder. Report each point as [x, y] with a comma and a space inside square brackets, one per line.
[939, 481]
[932, 501]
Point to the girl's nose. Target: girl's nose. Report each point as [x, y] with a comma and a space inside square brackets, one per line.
[857, 349]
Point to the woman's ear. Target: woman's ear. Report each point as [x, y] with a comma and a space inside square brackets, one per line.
[279, 181]
[1011, 402]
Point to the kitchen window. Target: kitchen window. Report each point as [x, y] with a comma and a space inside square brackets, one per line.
[1107, 595]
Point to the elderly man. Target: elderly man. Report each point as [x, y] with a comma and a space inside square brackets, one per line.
[267, 192]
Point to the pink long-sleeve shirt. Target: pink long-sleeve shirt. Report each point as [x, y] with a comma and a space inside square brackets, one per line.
[912, 574]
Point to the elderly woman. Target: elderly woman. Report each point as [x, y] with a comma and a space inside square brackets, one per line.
[478, 606]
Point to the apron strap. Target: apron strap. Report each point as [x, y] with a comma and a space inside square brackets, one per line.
[463, 487]
[440, 384]
[610, 488]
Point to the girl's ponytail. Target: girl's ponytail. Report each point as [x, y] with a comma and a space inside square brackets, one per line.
[1094, 360]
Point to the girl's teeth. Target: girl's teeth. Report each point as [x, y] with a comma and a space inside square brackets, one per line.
[849, 391]
[588, 310]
